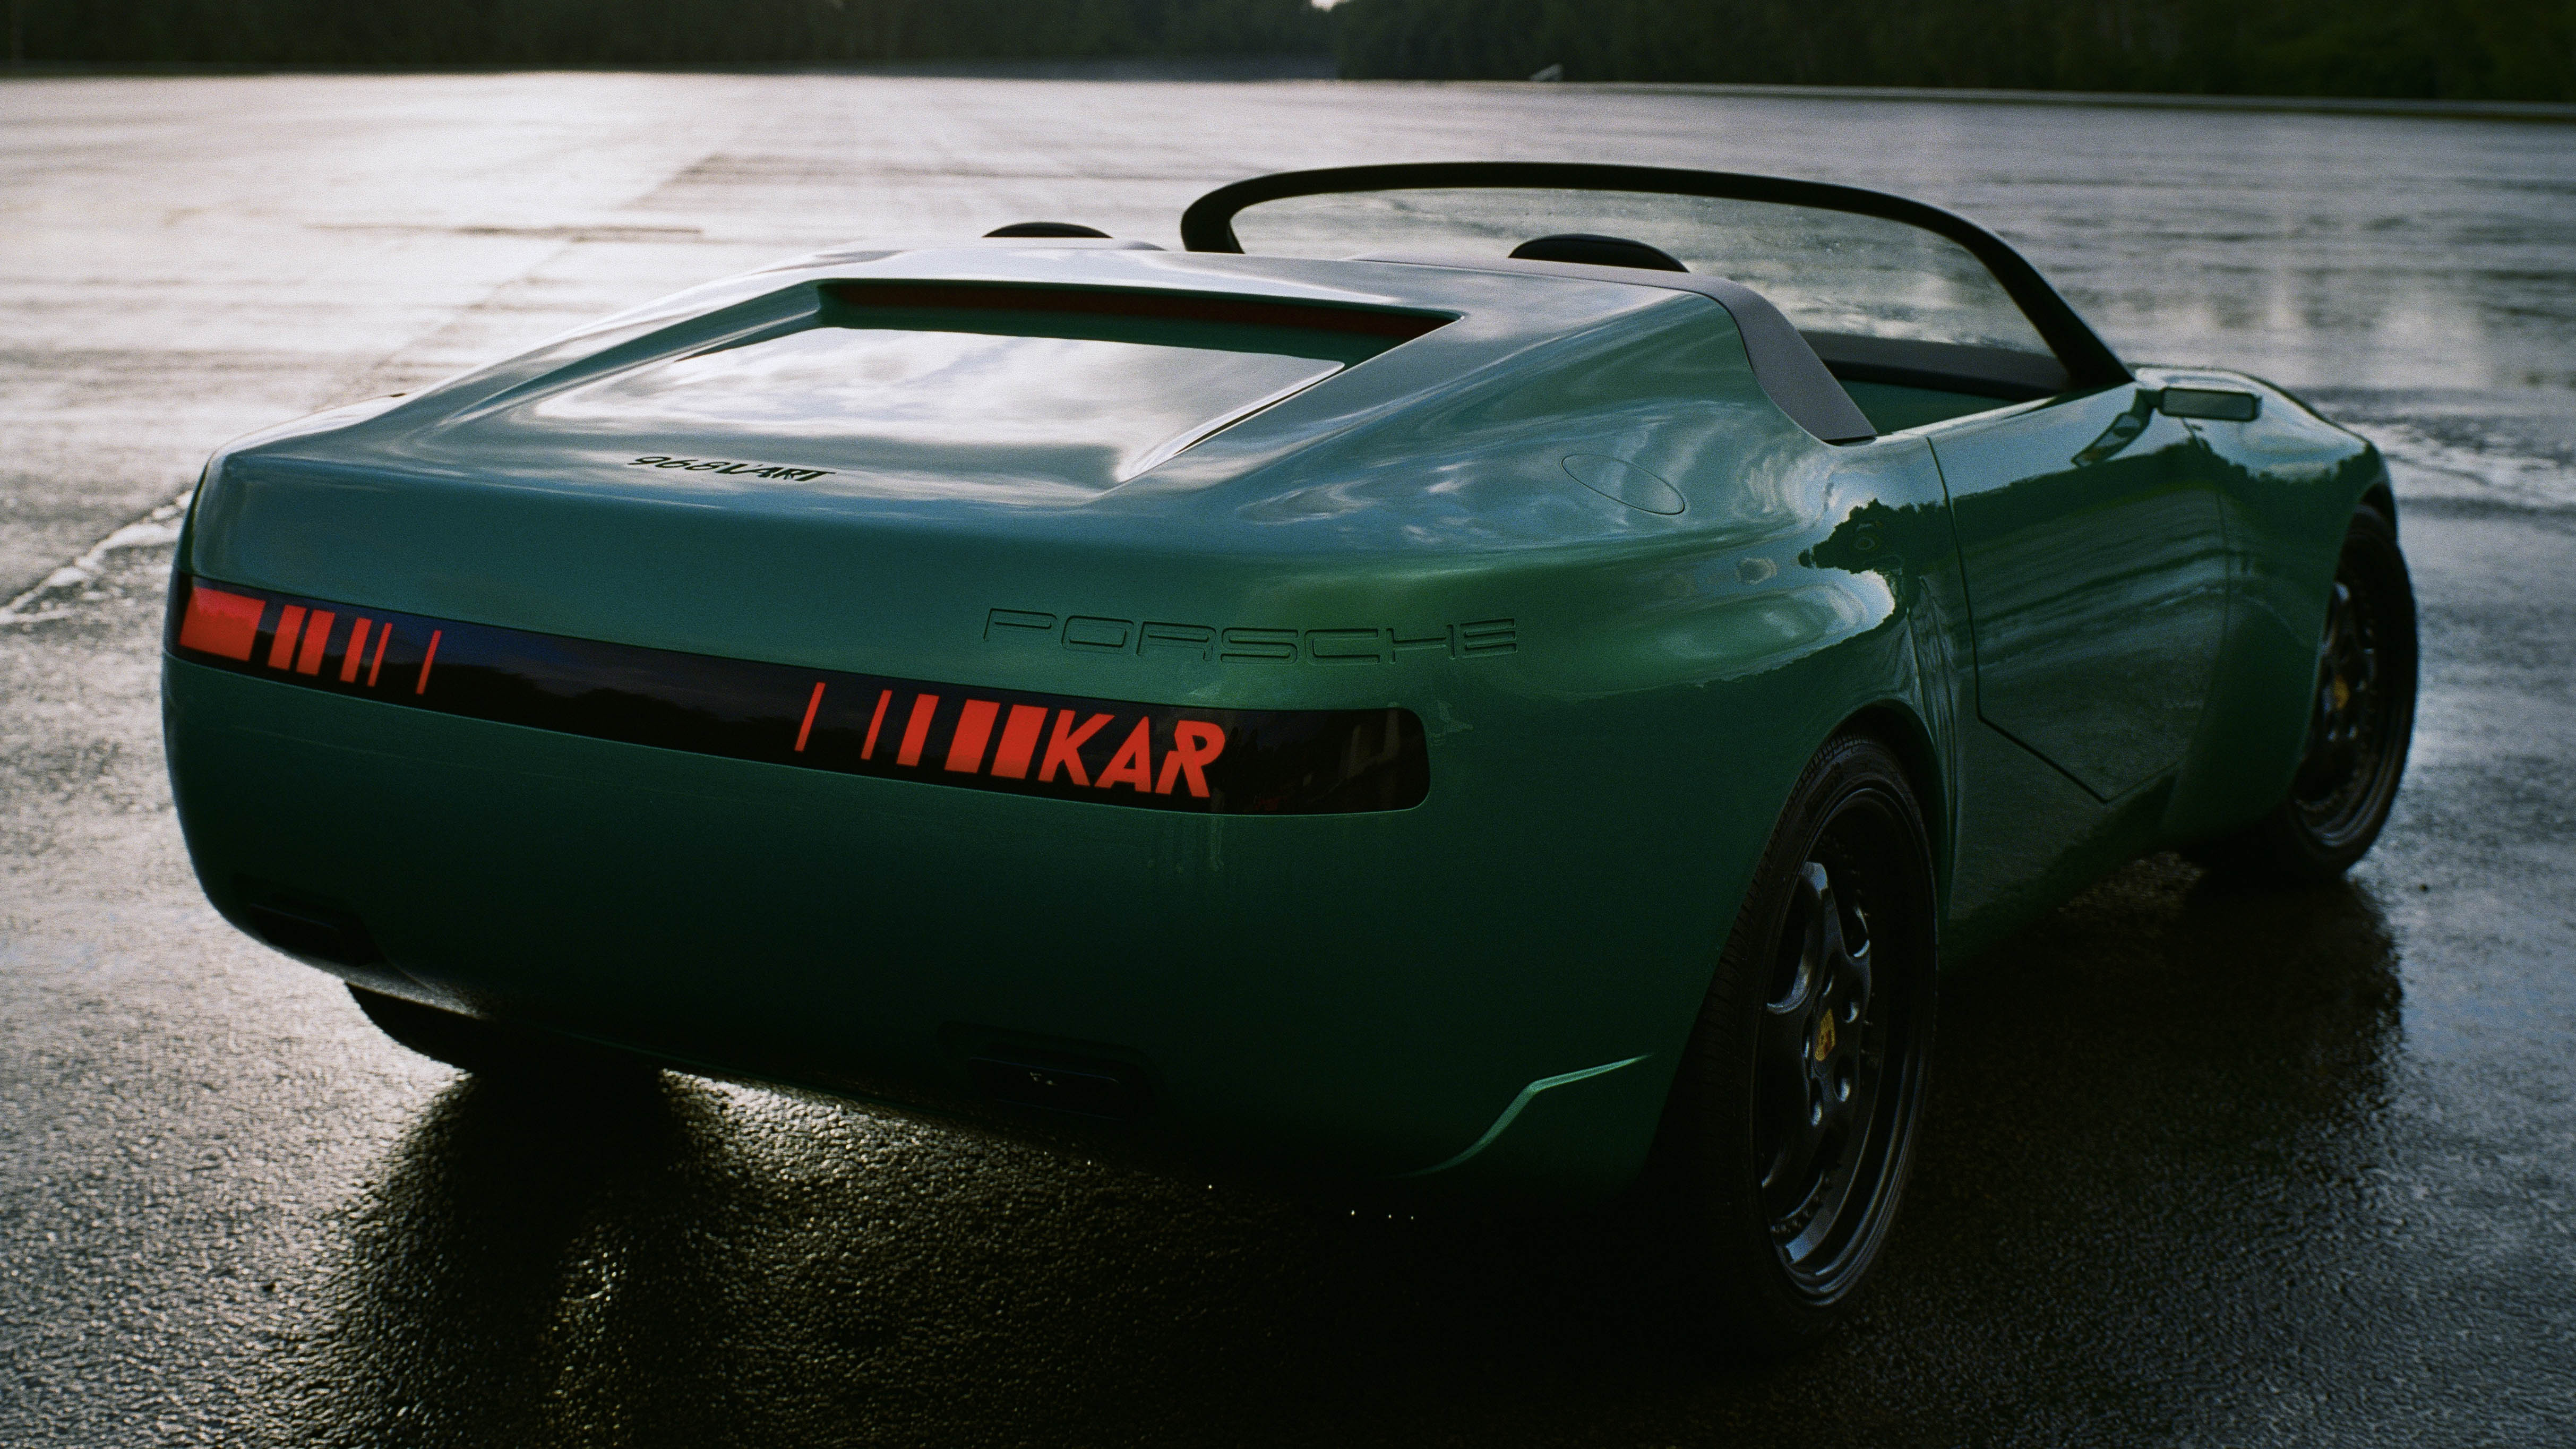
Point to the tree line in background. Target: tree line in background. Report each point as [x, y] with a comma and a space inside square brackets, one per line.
[2456, 49]
[477, 33]
[2450, 49]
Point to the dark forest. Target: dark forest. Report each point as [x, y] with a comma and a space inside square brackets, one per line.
[679, 33]
[2447, 49]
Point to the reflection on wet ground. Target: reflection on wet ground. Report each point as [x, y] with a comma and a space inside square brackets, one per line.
[2155, 1125]
[528, 1238]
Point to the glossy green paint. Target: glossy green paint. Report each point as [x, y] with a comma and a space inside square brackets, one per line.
[2148, 592]
[2097, 579]
[1364, 996]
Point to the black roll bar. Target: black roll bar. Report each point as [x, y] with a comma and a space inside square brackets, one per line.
[1208, 224]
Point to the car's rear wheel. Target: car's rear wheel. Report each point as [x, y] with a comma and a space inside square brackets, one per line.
[488, 1048]
[2361, 717]
[1791, 1127]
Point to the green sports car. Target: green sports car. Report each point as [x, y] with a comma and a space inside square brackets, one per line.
[1486, 680]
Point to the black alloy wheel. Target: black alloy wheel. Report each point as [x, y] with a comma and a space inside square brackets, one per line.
[2361, 718]
[1790, 1132]
[1822, 1062]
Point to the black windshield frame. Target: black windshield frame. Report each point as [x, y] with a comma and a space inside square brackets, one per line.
[1208, 225]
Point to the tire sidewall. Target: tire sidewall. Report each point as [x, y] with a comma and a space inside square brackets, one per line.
[2283, 843]
[1706, 1168]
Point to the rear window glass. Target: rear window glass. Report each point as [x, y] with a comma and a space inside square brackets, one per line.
[1096, 385]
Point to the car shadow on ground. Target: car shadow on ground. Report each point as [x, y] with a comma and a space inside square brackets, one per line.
[2146, 1161]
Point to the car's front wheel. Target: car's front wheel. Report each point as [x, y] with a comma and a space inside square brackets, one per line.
[1791, 1126]
[488, 1048]
[2361, 718]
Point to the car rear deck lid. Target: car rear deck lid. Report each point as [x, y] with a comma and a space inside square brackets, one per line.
[1089, 386]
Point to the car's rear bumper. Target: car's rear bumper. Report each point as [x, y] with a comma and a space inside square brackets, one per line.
[1366, 995]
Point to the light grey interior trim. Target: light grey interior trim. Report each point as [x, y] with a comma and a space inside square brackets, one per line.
[1955, 366]
[1789, 371]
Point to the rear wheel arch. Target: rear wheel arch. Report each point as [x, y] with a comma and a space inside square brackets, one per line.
[1897, 726]
[1893, 724]
[1706, 1188]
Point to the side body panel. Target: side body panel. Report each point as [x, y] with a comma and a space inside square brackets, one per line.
[2206, 577]
[2096, 560]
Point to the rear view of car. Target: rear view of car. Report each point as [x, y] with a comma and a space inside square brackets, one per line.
[987, 695]
[1517, 727]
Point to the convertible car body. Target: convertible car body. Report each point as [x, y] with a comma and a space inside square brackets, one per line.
[1318, 699]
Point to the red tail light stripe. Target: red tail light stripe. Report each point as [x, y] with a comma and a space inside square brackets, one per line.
[1196, 758]
[916, 730]
[290, 622]
[806, 729]
[1019, 741]
[974, 729]
[876, 721]
[221, 623]
[354, 653]
[317, 637]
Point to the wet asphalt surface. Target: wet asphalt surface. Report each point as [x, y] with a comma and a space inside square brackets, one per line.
[2199, 1166]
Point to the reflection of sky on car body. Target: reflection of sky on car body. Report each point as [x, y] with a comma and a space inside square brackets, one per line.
[952, 389]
